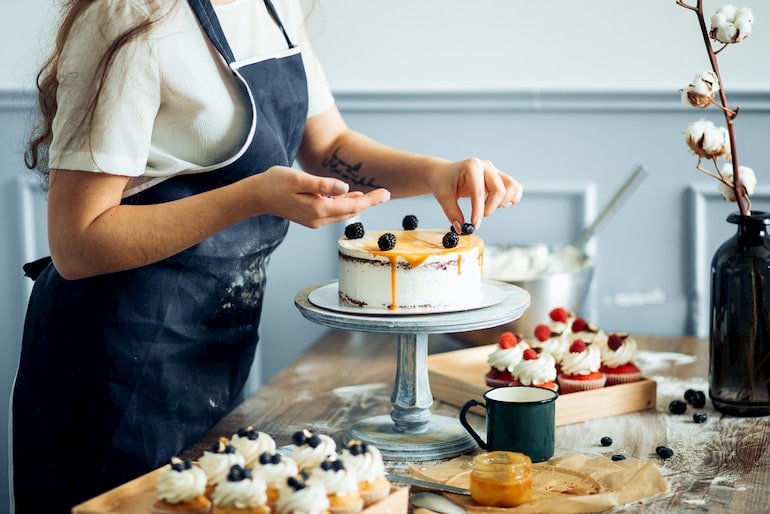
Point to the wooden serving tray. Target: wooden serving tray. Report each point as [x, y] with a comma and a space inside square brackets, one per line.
[135, 497]
[456, 377]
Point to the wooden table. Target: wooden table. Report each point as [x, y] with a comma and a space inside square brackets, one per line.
[722, 465]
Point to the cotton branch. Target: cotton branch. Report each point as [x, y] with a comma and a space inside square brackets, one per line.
[728, 114]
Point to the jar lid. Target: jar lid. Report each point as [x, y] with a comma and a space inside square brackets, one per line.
[501, 461]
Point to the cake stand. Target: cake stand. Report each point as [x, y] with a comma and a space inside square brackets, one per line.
[411, 432]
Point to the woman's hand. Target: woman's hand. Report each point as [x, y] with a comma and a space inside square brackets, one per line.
[310, 200]
[486, 186]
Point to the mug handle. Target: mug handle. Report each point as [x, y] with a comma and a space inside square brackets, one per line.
[467, 426]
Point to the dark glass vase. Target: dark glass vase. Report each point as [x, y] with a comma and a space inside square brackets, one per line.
[739, 360]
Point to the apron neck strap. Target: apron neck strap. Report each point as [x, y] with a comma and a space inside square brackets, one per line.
[210, 23]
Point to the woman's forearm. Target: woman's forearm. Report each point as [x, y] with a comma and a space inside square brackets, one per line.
[331, 149]
[91, 233]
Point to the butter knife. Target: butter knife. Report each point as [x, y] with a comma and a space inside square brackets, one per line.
[434, 486]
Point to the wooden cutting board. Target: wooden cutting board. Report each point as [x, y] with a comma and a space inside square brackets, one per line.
[456, 377]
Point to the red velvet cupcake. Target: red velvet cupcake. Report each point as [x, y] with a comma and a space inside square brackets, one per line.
[580, 368]
[503, 359]
[618, 360]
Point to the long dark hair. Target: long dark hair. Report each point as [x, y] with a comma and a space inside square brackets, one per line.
[36, 155]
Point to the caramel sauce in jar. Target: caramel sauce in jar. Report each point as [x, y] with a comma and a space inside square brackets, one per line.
[501, 479]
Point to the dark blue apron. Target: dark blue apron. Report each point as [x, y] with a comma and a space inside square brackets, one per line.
[121, 371]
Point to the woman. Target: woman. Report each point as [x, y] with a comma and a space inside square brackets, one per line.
[172, 129]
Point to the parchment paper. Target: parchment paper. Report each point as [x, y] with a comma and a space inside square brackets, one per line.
[621, 482]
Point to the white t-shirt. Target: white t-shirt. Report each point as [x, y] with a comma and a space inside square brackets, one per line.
[171, 104]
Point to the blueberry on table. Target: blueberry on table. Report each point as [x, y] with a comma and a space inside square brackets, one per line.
[618, 457]
[664, 452]
[606, 441]
[699, 417]
[677, 407]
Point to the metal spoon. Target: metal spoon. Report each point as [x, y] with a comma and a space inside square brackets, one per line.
[612, 206]
[435, 503]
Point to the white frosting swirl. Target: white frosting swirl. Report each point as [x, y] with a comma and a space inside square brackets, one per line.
[536, 371]
[597, 338]
[582, 363]
[505, 359]
[341, 482]
[308, 457]
[240, 494]
[368, 466]
[217, 465]
[311, 499]
[556, 345]
[252, 449]
[275, 475]
[181, 486]
[625, 353]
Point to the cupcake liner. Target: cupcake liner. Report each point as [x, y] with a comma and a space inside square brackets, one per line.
[622, 378]
[570, 385]
[347, 509]
[198, 506]
[371, 496]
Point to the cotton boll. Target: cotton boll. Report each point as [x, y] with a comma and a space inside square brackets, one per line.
[728, 11]
[743, 28]
[744, 14]
[748, 180]
[707, 140]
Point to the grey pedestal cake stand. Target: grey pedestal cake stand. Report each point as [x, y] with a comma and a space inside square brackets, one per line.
[411, 432]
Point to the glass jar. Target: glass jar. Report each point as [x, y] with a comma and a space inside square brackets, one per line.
[739, 339]
[501, 479]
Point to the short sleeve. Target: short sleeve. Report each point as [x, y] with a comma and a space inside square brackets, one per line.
[115, 136]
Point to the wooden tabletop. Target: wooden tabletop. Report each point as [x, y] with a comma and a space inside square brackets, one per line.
[722, 465]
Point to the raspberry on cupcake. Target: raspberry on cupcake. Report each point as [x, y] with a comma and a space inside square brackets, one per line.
[341, 486]
[503, 359]
[217, 463]
[589, 333]
[251, 443]
[365, 461]
[240, 493]
[618, 359]
[551, 341]
[561, 320]
[580, 368]
[312, 448]
[536, 369]
[181, 488]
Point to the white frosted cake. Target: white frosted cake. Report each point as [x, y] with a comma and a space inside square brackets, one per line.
[417, 273]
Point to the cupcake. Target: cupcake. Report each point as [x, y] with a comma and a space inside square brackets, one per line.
[589, 333]
[181, 489]
[341, 486]
[365, 461]
[311, 448]
[217, 463]
[536, 369]
[618, 360]
[301, 497]
[251, 443]
[580, 368]
[274, 469]
[561, 320]
[503, 359]
[240, 493]
[551, 341]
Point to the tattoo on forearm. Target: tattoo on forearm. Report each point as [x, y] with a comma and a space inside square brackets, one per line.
[350, 173]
